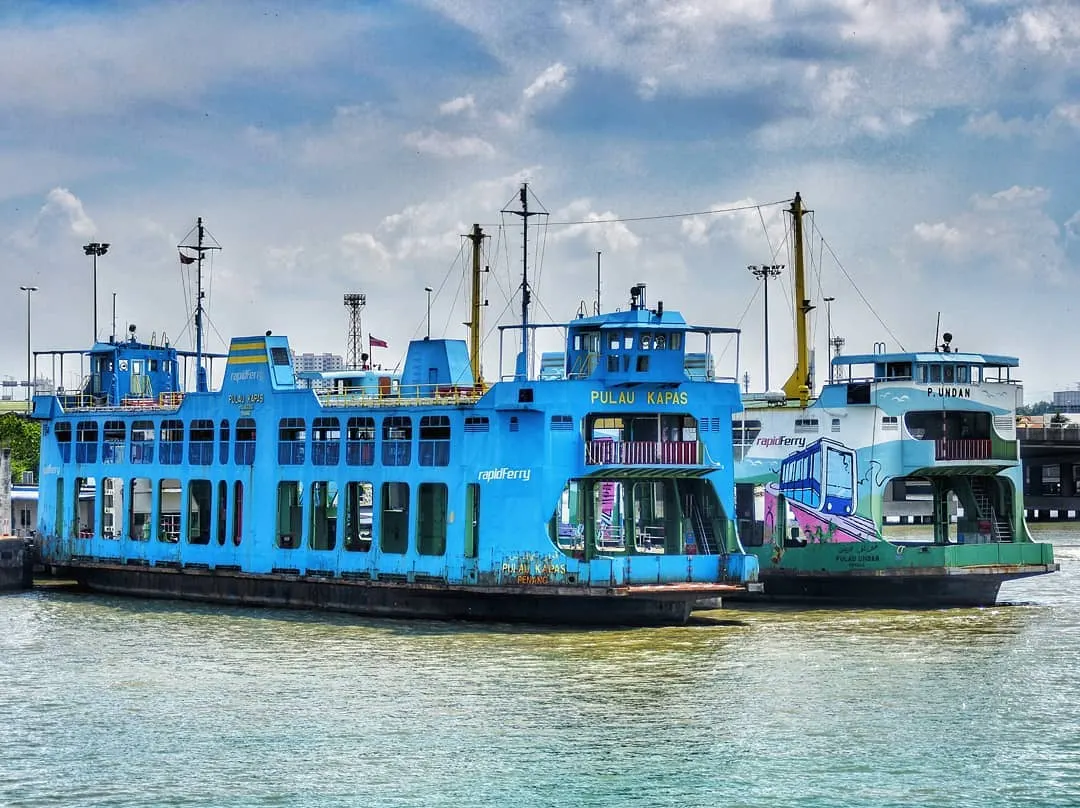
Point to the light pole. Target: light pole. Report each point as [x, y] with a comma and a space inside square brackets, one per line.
[765, 272]
[428, 290]
[29, 372]
[828, 332]
[95, 249]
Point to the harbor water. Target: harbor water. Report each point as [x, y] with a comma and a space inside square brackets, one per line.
[121, 702]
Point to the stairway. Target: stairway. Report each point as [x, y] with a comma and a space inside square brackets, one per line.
[1000, 526]
[703, 531]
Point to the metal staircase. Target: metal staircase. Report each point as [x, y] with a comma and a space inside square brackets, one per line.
[1000, 526]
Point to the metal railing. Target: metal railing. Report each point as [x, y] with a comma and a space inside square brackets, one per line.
[963, 449]
[413, 395]
[642, 453]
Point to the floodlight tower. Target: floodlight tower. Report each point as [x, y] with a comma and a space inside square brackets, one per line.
[355, 302]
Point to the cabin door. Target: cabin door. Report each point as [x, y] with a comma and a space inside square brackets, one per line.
[472, 531]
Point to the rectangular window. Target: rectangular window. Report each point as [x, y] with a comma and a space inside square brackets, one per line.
[245, 441]
[562, 423]
[397, 440]
[62, 433]
[112, 507]
[142, 442]
[140, 508]
[434, 448]
[223, 443]
[81, 528]
[172, 442]
[201, 443]
[431, 519]
[114, 447]
[360, 442]
[325, 441]
[394, 518]
[279, 356]
[935, 374]
[169, 511]
[290, 514]
[643, 364]
[200, 509]
[222, 510]
[86, 442]
[477, 423]
[358, 510]
[948, 374]
[292, 438]
[323, 532]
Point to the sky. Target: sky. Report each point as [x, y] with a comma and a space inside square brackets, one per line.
[335, 147]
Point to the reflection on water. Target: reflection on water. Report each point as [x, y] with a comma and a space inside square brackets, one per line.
[121, 702]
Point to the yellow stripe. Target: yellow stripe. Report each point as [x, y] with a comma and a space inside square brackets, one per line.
[247, 360]
[248, 346]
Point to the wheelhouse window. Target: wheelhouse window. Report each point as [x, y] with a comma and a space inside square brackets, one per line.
[292, 436]
[172, 442]
[360, 441]
[223, 443]
[434, 440]
[201, 443]
[326, 441]
[397, 440]
[142, 442]
[245, 441]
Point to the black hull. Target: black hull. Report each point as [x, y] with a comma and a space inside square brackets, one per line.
[585, 606]
[16, 565]
[884, 591]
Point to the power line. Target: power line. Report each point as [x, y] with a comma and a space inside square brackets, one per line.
[710, 212]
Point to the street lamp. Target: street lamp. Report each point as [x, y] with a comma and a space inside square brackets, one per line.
[765, 272]
[828, 332]
[95, 249]
[428, 290]
[29, 372]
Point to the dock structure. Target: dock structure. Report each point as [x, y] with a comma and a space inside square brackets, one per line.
[15, 563]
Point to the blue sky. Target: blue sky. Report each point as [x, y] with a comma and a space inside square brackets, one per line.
[337, 147]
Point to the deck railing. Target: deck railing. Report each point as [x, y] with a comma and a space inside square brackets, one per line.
[642, 453]
[962, 449]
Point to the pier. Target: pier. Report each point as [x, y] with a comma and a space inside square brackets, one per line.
[1051, 457]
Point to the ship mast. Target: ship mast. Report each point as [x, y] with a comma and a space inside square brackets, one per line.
[201, 248]
[798, 385]
[522, 372]
[477, 238]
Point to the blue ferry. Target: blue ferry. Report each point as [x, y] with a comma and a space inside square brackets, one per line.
[599, 490]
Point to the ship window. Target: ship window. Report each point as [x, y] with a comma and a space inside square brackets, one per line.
[290, 515]
[152, 364]
[201, 443]
[562, 423]
[477, 423]
[360, 442]
[324, 497]
[431, 519]
[744, 433]
[962, 374]
[358, 508]
[628, 341]
[613, 363]
[292, 435]
[112, 507]
[62, 431]
[935, 373]
[238, 509]
[643, 364]
[525, 395]
[325, 441]
[513, 423]
[434, 448]
[223, 444]
[922, 374]
[646, 341]
[650, 530]
[394, 518]
[245, 441]
[140, 507]
[676, 341]
[114, 448]
[143, 435]
[172, 442]
[86, 437]
[397, 440]
[613, 341]
[81, 528]
[200, 508]
[168, 510]
[222, 509]
[279, 356]
[806, 425]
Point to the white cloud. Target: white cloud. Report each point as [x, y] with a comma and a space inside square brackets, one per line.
[554, 79]
[441, 144]
[456, 106]
[605, 235]
[62, 204]
[1063, 118]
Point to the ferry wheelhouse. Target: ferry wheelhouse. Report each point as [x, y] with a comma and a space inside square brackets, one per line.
[599, 490]
[813, 474]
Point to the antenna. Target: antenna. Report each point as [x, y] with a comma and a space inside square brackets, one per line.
[201, 249]
[937, 328]
[598, 282]
[522, 372]
[355, 302]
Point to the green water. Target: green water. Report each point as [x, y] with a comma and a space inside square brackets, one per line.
[120, 702]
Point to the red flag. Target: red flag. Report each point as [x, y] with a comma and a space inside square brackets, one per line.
[186, 259]
[375, 342]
